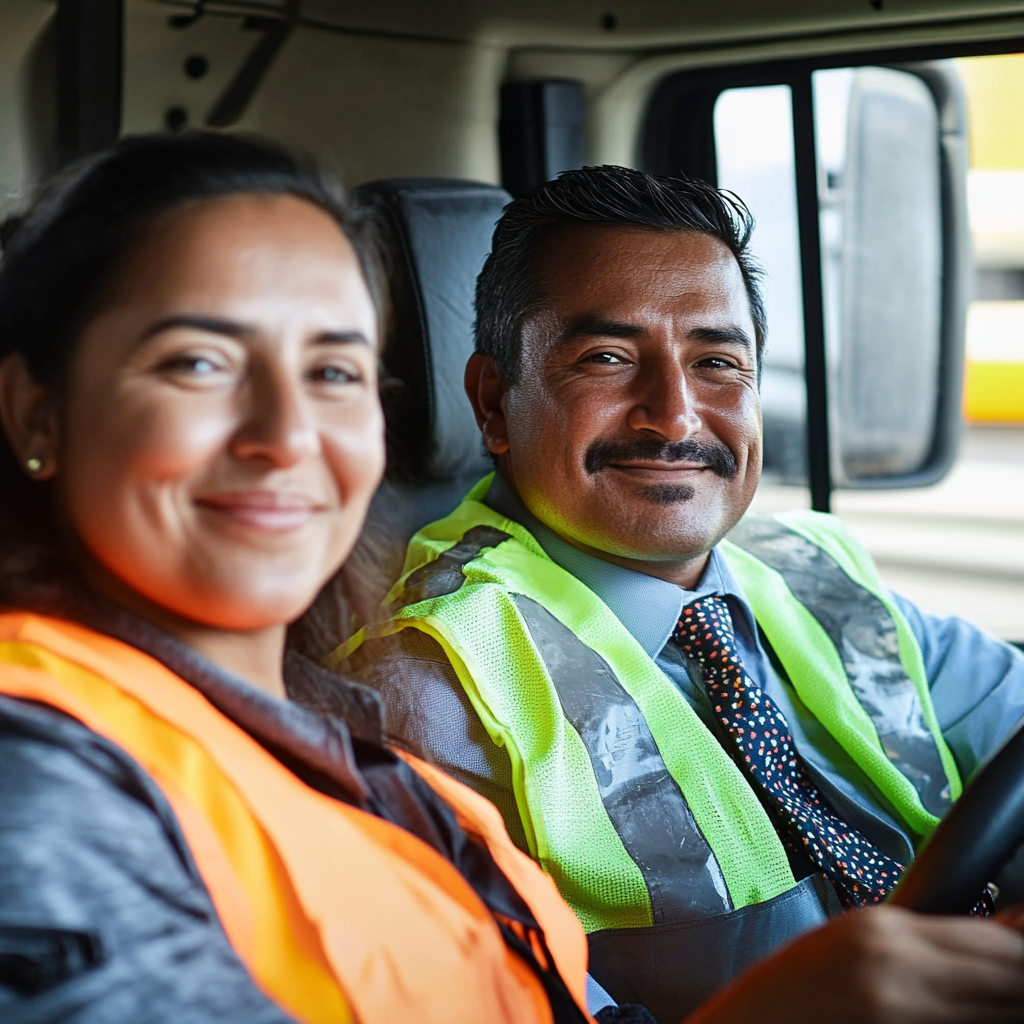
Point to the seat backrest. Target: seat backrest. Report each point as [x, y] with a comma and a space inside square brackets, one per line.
[436, 234]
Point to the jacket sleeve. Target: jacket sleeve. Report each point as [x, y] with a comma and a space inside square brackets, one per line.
[103, 915]
[977, 684]
[428, 714]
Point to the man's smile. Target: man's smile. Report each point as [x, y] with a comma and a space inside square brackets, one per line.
[661, 460]
[659, 467]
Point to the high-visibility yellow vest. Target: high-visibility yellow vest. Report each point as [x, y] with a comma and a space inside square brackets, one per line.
[338, 915]
[521, 634]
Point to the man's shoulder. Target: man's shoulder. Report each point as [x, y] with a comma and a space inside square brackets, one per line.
[405, 648]
[429, 714]
[413, 676]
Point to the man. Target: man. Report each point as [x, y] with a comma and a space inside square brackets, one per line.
[711, 745]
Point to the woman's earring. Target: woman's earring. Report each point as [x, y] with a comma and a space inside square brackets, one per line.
[34, 465]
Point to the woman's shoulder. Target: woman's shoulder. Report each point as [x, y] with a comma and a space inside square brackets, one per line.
[67, 786]
[94, 866]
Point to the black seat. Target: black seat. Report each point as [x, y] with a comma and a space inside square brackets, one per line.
[436, 233]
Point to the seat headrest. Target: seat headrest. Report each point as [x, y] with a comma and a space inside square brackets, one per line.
[436, 234]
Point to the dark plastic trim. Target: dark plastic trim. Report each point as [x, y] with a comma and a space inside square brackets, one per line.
[541, 130]
[233, 102]
[90, 61]
[819, 448]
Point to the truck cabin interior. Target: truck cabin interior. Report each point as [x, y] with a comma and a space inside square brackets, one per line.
[871, 139]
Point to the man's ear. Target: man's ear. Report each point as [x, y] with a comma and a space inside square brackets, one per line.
[28, 412]
[486, 388]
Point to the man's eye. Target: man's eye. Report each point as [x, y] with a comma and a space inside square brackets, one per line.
[716, 363]
[604, 358]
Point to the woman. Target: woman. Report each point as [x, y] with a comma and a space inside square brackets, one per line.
[188, 354]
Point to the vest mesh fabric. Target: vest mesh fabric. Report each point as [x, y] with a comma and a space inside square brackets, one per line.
[567, 827]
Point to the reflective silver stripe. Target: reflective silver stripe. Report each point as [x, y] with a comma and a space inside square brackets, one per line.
[864, 633]
[444, 574]
[642, 799]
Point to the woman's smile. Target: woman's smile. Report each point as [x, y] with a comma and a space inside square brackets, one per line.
[264, 510]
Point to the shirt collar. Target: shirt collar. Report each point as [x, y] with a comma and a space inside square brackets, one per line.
[647, 606]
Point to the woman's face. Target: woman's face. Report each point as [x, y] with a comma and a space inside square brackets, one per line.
[221, 437]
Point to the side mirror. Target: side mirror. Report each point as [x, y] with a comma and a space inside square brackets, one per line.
[896, 268]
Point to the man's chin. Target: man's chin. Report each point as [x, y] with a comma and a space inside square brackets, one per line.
[665, 527]
[666, 494]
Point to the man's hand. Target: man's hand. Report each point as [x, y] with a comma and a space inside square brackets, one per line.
[884, 965]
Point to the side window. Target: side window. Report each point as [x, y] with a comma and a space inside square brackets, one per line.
[754, 155]
[917, 196]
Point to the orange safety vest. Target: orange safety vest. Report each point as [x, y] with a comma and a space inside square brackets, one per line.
[338, 915]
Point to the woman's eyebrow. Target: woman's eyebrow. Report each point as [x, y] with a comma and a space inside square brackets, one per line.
[341, 338]
[196, 322]
[236, 329]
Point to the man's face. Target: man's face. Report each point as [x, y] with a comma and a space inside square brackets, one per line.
[635, 427]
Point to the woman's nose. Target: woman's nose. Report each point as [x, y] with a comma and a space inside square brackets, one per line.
[664, 403]
[277, 425]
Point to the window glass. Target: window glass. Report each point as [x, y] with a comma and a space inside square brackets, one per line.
[754, 154]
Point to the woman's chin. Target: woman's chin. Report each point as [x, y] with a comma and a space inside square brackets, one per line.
[235, 608]
[236, 594]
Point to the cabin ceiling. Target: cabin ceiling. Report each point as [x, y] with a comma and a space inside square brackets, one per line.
[614, 24]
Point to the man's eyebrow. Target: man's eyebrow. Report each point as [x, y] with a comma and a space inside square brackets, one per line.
[596, 326]
[236, 329]
[733, 334]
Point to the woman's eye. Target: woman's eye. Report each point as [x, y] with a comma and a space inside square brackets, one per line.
[334, 375]
[191, 365]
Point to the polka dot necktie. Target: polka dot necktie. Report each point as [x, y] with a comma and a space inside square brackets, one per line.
[860, 872]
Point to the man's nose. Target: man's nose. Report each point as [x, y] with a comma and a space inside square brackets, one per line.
[276, 422]
[663, 403]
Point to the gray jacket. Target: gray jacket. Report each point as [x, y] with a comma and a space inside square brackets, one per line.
[103, 914]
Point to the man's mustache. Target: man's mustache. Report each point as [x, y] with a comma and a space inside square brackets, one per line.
[714, 455]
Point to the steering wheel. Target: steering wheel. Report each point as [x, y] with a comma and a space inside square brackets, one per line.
[978, 836]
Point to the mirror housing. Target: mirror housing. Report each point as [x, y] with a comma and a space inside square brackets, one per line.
[896, 347]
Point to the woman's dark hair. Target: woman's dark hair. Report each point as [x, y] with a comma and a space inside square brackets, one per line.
[57, 259]
[506, 292]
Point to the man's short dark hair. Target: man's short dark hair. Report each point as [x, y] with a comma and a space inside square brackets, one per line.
[506, 292]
